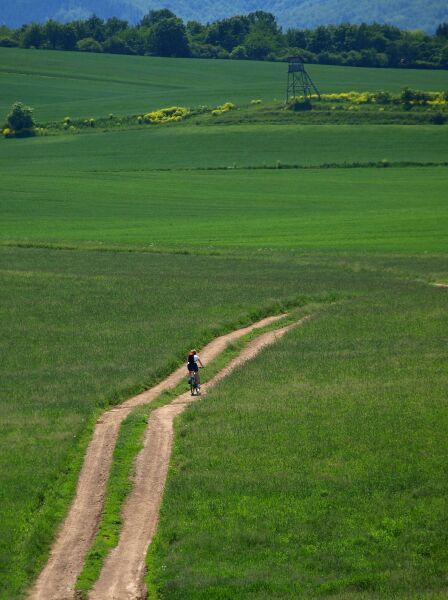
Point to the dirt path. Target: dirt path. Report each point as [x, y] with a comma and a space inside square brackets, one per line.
[441, 285]
[122, 575]
[58, 578]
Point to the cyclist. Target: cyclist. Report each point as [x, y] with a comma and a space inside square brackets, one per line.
[193, 364]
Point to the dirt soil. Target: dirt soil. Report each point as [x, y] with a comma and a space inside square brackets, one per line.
[123, 572]
[58, 578]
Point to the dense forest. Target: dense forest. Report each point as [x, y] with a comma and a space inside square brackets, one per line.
[255, 36]
[306, 14]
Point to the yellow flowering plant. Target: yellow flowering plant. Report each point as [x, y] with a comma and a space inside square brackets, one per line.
[166, 115]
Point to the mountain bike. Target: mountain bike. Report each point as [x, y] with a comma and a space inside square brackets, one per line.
[193, 382]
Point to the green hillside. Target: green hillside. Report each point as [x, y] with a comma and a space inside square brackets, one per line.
[59, 84]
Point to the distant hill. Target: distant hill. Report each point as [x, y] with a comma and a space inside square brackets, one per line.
[406, 14]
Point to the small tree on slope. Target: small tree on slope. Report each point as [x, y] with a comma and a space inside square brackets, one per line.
[20, 120]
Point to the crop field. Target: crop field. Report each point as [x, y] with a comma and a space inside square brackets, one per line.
[319, 468]
[230, 146]
[58, 84]
[334, 209]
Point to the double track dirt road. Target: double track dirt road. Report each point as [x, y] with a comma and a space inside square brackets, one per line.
[122, 575]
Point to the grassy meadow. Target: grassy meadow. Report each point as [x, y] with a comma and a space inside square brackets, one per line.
[83, 330]
[318, 470]
[120, 249]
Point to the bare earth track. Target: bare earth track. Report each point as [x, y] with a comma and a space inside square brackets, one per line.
[122, 575]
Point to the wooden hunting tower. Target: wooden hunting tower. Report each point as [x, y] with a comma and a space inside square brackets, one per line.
[299, 82]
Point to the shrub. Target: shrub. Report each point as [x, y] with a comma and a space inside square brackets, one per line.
[166, 115]
[23, 133]
[239, 53]
[409, 96]
[383, 97]
[115, 45]
[20, 117]
[438, 119]
[20, 121]
[7, 42]
[351, 97]
[438, 100]
[329, 58]
[208, 51]
[255, 101]
[219, 110]
[89, 45]
[299, 104]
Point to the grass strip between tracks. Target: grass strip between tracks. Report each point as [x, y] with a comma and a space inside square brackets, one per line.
[129, 443]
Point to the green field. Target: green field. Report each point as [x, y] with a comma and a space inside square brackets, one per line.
[318, 470]
[190, 147]
[58, 84]
[321, 474]
[327, 209]
[81, 330]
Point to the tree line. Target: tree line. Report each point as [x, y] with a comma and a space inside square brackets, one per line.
[255, 36]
